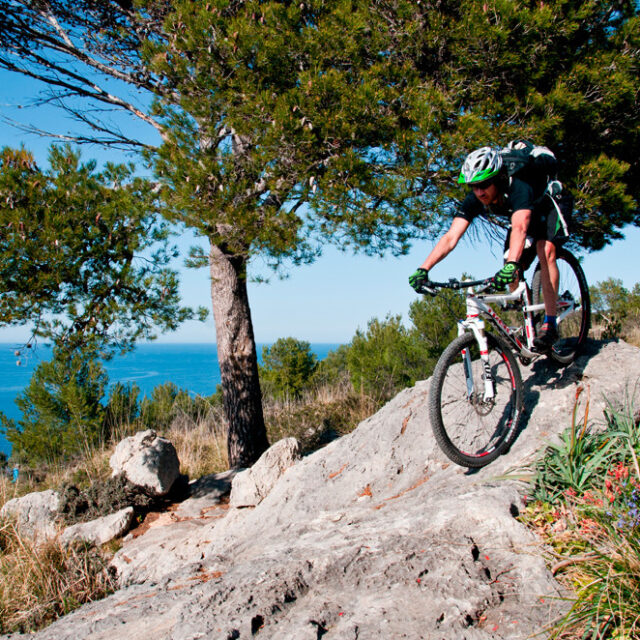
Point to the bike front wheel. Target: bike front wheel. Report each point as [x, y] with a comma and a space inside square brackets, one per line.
[475, 406]
[573, 306]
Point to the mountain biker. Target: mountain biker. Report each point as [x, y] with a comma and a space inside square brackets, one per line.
[518, 197]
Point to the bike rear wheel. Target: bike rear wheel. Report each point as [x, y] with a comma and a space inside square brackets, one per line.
[471, 430]
[574, 306]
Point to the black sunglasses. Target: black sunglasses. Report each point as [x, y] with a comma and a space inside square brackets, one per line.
[485, 184]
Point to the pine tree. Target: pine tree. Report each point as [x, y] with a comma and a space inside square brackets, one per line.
[288, 124]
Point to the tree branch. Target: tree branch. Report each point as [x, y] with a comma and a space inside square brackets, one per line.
[98, 94]
[114, 141]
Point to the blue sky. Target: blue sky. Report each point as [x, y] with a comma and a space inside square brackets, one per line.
[322, 302]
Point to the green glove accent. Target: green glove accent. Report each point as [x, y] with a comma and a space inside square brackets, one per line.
[418, 278]
[506, 275]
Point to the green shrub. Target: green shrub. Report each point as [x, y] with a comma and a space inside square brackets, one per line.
[435, 320]
[385, 358]
[122, 409]
[333, 370]
[588, 511]
[165, 403]
[287, 367]
[62, 414]
[616, 310]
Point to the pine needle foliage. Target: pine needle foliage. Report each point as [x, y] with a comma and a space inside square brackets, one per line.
[83, 253]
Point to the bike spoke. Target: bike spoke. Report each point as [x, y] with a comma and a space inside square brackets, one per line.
[476, 427]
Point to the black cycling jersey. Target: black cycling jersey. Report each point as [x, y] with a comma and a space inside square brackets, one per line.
[519, 194]
[547, 222]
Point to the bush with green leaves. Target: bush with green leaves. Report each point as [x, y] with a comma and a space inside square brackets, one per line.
[158, 411]
[586, 506]
[616, 309]
[287, 367]
[62, 413]
[333, 370]
[123, 408]
[434, 320]
[390, 356]
[384, 358]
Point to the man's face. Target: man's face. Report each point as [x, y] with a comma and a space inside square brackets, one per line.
[486, 192]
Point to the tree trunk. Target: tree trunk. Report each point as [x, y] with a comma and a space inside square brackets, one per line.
[237, 357]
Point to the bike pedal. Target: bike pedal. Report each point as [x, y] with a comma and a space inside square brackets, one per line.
[541, 350]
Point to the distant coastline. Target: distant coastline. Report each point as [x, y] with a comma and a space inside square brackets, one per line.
[191, 366]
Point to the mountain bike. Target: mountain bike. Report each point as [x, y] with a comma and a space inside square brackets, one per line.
[476, 393]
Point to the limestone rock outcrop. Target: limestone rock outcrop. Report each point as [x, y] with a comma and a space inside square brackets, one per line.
[251, 486]
[377, 535]
[101, 530]
[35, 513]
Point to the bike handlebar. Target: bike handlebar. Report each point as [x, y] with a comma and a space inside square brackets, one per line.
[430, 287]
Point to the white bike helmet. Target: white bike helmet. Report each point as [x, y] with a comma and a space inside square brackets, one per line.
[480, 165]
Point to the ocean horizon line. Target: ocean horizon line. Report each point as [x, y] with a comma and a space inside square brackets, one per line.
[191, 366]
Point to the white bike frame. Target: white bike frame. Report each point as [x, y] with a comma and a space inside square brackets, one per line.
[478, 307]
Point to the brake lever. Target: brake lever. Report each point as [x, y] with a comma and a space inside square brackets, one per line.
[489, 286]
[428, 291]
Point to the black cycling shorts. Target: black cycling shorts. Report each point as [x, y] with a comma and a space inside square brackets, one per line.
[549, 221]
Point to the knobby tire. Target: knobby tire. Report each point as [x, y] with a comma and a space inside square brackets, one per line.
[470, 432]
[574, 329]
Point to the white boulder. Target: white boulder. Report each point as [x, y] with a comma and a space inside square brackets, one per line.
[35, 513]
[101, 530]
[147, 461]
[252, 485]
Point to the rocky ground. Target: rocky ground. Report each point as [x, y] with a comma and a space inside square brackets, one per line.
[376, 535]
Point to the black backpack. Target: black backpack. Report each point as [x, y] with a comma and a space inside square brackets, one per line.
[529, 160]
[522, 156]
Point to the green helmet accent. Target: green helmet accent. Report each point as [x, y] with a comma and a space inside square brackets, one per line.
[480, 165]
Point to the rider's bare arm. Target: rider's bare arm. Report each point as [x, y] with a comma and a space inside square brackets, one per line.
[519, 225]
[447, 243]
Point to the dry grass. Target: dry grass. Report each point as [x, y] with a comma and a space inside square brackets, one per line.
[201, 442]
[629, 332]
[39, 583]
[82, 472]
[319, 417]
[633, 336]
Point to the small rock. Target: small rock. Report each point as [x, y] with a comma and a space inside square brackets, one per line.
[35, 513]
[147, 461]
[101, 530]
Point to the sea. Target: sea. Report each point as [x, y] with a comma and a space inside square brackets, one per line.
[192, 367]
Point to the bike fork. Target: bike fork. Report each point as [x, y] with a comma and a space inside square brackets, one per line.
[487, 376]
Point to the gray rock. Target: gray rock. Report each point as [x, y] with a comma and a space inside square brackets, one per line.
[35, 513]
[252, 485]
[206, 493]
[147, 461]
[101, 530]
[175, 539]
[377, 535]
